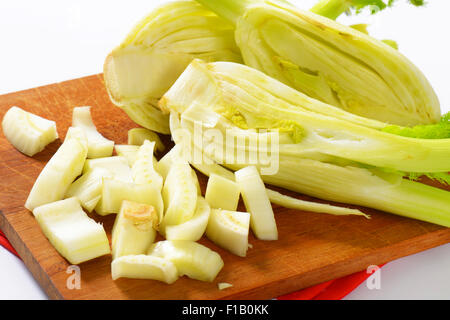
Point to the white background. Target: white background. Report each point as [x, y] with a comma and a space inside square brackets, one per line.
[47, 41]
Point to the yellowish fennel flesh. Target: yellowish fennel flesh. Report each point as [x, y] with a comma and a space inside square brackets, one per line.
[115, 191]
[222, 193]
[166, 161]
[144, 267]
[74, 235]
[117, 166]
[134, 229]
[98, 145]
[194, 228]
[143, 170]
[293, 203]
[59, 172]
[137, 136]
[256, 201]
[224, 285]
[128, 152]
[229, 230]
[28, 132]
[88, 187]
[155, 53]
[191, 258]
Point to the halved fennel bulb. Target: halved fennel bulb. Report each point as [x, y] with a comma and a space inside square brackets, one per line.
[256, 201]
[128, 152]
[179, 194]
[134, 229]
[59, 173]
[115, 191]
[137, 136]
[222, 193]
[117, 166]
[229, 230]
[98, 145]
[88, 188]
[194, 228]
[74, 235]
[191, 258]
[144, 267]
[143, 170]
[28, 132]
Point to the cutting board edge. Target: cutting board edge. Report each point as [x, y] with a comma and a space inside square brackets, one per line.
[35, 268]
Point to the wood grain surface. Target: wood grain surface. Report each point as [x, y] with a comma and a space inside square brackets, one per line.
[312, 248]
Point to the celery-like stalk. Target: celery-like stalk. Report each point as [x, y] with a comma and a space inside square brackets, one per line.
[134, 229]
[222, 193]
[191, 258]
[28, 132]
[98, 145]
[74, 235]
[59, 173]
[144, 267]
[256, 201]
[229, 230]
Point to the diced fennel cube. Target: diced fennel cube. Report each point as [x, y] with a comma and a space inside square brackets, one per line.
[74, 235]
[134, 229]
[180, 194]
[143, 170]
[128, 152]
[59, 173]
[257, 202]
[115, 191]
[28, 132]
[137, 136]
[229, 230]
[194, 228]
[144, 267]
[222, 193]
[117, 166]
[191, 258]
[88, 188]
[98, 145]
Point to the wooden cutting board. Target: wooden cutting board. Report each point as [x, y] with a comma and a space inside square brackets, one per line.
[312, 248]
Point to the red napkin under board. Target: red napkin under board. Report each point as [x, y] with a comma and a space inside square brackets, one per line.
[330, 290]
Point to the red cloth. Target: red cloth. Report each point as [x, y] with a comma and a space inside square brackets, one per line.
[330, 290]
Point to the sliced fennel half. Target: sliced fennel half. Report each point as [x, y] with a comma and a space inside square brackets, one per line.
[256, 201]
[59, 173]
[117, 166]
[74, 235]
[134, 229]
[222, 193]
[98, 145]
[229, 230]
[28, 132]
[191, 258]
[137, 136]
[144, 267]
[194, 228]
[88, 188]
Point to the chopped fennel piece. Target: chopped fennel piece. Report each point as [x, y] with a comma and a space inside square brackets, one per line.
[128, 152]
[137, 136]
[257, 203]
[194, 228]
[165, 162]
[134, 229]
[143, 170]
[88, 188]
[115, 191]
[144, 267]
[98, 145]
[222, 193]
[28, 132]
[60, 171]
[74, 235]
[229, 230]
[117, 166]
[191, 258]
[224, 285]
[293, 203]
